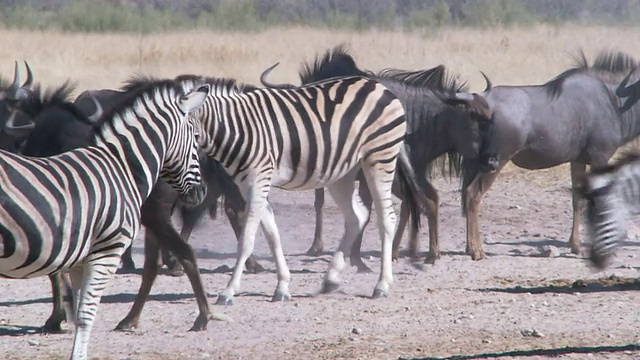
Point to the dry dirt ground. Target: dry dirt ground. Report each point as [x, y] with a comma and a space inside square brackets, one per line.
[457, 306]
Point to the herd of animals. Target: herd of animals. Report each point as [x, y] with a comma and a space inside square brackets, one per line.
[79, 176]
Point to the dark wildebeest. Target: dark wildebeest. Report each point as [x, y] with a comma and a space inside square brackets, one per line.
[59, 126]
[436, 127]
[573, 118]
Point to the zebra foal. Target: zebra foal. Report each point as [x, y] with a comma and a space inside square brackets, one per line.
[79, 210]
[319, 135]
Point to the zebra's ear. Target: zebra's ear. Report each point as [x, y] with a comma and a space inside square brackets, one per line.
[194, 100]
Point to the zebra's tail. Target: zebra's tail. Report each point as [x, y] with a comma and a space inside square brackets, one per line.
[410, 188]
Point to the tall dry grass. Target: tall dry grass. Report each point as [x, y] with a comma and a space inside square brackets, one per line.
[507, 56]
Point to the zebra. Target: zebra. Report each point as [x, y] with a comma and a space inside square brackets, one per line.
[318, 135]
[613, 191]
[79, 210]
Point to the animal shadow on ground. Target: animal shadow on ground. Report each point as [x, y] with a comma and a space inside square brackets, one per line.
[563, 286]
[554, 352]
[18, 330]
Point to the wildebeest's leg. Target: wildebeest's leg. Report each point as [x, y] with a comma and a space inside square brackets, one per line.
[235, 219]
[149, 273]
[397, 239]
[58, 314]
[473, 192]
[185, 255]
[355, 216]
[432, 209]
[318, 243]
[127, 260]
[578, 171]
[355, 257]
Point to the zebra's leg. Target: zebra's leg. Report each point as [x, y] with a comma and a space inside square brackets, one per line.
[93, 277]
[355, 216]
[58, 314]
[355, 256]
[578, 171]
[380, 176]
[256, 200]
[235, 219]
[149, 273]
[318, 243]
[270, 230]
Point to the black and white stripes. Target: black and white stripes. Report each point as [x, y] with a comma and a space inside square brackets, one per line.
[613, 194]
[314, 136]
[79, 210]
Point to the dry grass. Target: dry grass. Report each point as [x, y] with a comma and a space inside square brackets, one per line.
[508, 56]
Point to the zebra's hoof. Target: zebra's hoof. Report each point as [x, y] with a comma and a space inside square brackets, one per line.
[279, 296]
[329, 287]
[224, 300]
[377, 294]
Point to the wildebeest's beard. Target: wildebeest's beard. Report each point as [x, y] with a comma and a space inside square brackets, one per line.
[195, 195]
[488, 154]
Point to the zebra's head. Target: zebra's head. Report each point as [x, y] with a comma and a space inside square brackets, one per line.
[605, 215]
[181, 169]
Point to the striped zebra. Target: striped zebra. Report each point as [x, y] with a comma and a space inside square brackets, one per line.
[319, 135]
[79, 210]
[612, 194]
[613, 191]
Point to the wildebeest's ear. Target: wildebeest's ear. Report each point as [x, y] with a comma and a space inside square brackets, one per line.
[459, 98]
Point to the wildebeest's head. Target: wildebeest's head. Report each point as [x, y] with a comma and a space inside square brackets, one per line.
[475, 128]
[14, 125]
[56, 123]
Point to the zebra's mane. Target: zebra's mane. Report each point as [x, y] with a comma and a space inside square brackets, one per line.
[137, 89]
[608, 66]
[41, 99]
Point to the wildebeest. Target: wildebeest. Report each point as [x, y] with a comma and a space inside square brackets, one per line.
[573, 118]
[61, 126]
[436, 128]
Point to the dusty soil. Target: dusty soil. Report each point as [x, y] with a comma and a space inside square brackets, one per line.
[457, 306]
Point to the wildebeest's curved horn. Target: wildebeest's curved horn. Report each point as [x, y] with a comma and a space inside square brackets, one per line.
[99, 111]
[623, 90]
[27, 84]
[263, 79]
[486, 79]
[16, 81]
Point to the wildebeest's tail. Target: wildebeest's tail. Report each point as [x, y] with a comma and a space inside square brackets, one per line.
[410, 188]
